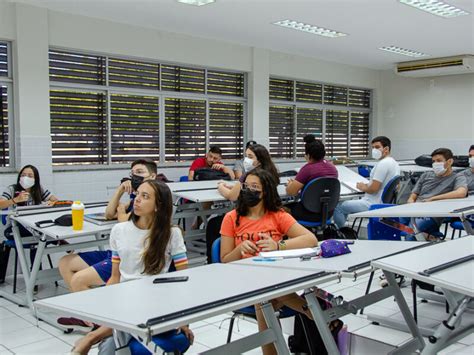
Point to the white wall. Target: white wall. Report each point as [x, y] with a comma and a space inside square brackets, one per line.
[423, 114]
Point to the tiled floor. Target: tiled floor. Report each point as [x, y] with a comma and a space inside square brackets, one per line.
[20, 333]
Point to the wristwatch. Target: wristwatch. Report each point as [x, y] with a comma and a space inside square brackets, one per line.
[282, 245]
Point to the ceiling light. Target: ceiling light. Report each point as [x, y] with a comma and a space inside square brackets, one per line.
[435, 7]
[402, 51]
[315, 30]
[196, 2]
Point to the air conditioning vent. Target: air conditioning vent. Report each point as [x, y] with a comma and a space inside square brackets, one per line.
[437, 67]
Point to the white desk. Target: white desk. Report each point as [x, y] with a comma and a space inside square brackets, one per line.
[443, 208]
[28, 218]
[145, 309]
[456, 282]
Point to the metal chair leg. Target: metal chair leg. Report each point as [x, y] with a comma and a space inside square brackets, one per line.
[15, 272]
[51, 267]
[231, 327]
[415, 309]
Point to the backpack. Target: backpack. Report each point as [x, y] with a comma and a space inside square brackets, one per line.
[332, 232]
[424, 160]
[210, 174]
[461, 161]
[306, 337]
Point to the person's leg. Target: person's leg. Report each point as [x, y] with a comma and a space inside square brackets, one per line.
[430, 226]
[93, 276]
[70, 264]
[345, 208]
[83, 345]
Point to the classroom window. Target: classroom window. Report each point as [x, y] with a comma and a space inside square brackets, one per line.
[6, 92]
[110, 110]
[338, 115]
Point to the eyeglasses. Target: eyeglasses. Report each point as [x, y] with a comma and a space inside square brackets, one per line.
[253, 187]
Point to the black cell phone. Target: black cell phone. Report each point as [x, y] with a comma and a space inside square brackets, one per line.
[161, 280]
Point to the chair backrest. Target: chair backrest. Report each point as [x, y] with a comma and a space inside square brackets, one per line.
[380, 231]
[183, 178]
[364, 170]
[216, 251]
[321, 195]
[389, 194]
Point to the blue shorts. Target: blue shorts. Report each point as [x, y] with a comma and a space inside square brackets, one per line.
[101, 261]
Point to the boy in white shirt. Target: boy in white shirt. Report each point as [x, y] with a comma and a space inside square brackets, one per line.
[384, 171]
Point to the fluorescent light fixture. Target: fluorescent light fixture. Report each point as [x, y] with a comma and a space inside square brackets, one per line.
[196, 2]
[315, 30]
[402, 51]
[435, 7]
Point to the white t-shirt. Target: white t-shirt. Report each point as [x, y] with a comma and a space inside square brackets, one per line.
[383, 172]
[127, 245]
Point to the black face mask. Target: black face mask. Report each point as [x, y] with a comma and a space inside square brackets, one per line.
[136, 181]
[250, 198]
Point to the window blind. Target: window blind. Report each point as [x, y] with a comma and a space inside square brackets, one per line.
[134, 74]
[76, 68]
[226, 128]
[183, 79]
[185, 129]
[281, 131]
[134, 128]
[359, 134]
[4, 128]
[309, 92]
[224, 83]
[78, 127]
[309, 121]
[281, 89]
[3, 59]
[337, 131]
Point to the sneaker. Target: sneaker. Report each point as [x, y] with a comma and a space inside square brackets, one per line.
[76, 324]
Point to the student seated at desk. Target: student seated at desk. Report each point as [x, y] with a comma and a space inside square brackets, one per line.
[440, 184]
[469, 172]
[239, 168]
[211, 160]
[385, 169]
[144, 245]
[259, 224]
[316, 167]
[93, 268]
[256, 155]
[27, 191]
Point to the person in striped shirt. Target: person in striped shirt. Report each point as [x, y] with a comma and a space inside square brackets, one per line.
[144, 245]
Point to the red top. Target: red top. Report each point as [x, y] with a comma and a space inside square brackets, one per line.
[200, 163]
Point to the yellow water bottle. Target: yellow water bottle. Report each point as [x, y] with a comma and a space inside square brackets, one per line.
[77, 215]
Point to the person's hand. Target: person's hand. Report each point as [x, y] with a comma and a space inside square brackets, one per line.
[83, 345]
[22, 197]
[289, 181]
[50, 203]
[266, 242]
[217, 166]
[427, 199]
[247, 247]
[126, 186]
[188, 333]
[361, 186]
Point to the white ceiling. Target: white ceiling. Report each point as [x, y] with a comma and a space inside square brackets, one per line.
[369, 23]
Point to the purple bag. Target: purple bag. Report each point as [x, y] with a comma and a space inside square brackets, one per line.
[333, 247]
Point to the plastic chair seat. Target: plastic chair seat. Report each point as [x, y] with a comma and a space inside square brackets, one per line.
[312, 224]
[169, 342]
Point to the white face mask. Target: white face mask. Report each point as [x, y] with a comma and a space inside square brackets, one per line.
[439, 168]
[376, 153]
[471, 162]
[26, 182]
[248, 164]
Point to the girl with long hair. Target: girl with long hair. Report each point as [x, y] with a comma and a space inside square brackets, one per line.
[256, 155]
[258, 223]
[144, 245]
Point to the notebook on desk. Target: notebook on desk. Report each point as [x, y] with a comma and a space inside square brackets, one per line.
[98, 218]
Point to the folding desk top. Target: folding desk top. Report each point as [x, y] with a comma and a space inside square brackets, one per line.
[362, 253]
[459, 278]
[211, 289]
[59, 232]
[443, 208]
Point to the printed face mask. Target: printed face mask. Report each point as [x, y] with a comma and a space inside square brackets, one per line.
[376, 154]
[248, 164]
[250, 198]
[26, 182]
[136, 181]
[439, 168]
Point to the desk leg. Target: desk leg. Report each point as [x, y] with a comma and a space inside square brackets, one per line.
[417, 342]
[31, 280]
[322, 324]
[272, 323]
[467, 226]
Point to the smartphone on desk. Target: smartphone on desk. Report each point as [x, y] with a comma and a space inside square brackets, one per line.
[161, 280]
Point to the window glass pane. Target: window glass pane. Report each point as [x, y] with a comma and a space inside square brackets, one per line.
[3, 59]
[134, 128]
[185, 129]
[226, 121]
[281, 89]
[309, 92]
[222, 83]
[335, 95]
[76, 68]
[281, 131]
[174, 78]
[309, 121]
[134, 74]
[359, 134]
[4, 144]
[78, 127]
[337, 125]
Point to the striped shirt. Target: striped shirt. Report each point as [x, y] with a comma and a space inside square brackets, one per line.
[9, 193]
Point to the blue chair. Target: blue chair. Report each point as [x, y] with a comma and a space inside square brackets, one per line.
[183, 178]
[458, 226]
[320, 197]
[379, 231]
[169, 342]
[364, 170]
[248, 311]
[389, 196]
